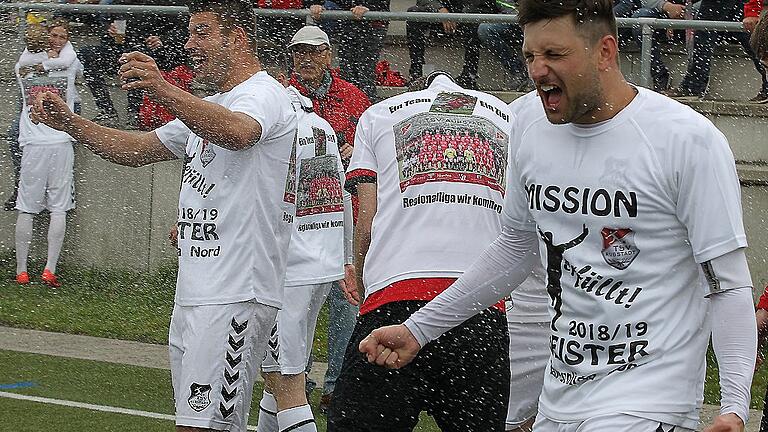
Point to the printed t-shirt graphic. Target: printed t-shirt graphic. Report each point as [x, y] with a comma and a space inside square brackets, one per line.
[627, 210]
[315, 181]
[59, 82]
[434, 216]
[232, 240]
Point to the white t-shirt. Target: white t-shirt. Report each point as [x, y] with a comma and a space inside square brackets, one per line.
[439, 158]
[232, 239]
[316, 253]
[530, 302]
[627, 211]
[59, 77]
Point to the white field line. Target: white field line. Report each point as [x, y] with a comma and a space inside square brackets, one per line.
[93, 407]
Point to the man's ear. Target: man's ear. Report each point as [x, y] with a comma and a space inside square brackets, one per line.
[608, 51]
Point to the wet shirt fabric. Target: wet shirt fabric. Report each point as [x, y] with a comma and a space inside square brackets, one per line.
[232, 240]
[316, 253]
[628, 212]
[438, 157]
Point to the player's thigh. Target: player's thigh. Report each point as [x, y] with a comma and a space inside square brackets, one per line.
[32, 180]
[528, 356]
[290, 340]
[372, 398]
[470, 374]
[60, 190]
[215, 353]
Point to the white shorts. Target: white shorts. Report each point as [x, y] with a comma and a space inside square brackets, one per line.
[606, 423]
[46, 180]
[215, 353]
[528, 356]
[290, 341]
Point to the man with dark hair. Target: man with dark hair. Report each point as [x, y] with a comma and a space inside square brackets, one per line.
[232, 232]
[652, 187]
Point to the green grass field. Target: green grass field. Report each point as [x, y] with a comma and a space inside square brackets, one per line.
[130, 306]
[96, 383]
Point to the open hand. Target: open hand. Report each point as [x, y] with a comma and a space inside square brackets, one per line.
[51, 110]
[359, 11]
[140, 72]
[392, 346]
[315, 11]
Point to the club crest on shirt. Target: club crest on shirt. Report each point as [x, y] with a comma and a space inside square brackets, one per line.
[619, 248]
[207, 154]
[199, 396]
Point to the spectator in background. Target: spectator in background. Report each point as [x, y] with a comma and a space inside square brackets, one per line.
[416, 32]
[673, 9]
[696, 77]
[360, 41]
[160, 36]
[46, 180]
[752, 9]
[504, 41]
[625, 9]
[36, 38]
[341, 104]
[274, 32]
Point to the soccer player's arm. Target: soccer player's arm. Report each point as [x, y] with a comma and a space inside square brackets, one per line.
[235, 128]
[361, 183]
[708, 194]
[118, 146]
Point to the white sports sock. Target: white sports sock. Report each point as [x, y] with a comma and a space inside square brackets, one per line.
[23, 240]
[298, 419]
[56, 230]
[267, 421]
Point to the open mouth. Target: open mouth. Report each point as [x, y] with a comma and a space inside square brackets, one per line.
[198, 61]
[551, 95]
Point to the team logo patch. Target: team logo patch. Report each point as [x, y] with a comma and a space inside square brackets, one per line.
[619, 248]
[199, 398]
[207, 154]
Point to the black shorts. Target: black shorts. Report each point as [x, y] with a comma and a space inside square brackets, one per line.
[461, 379]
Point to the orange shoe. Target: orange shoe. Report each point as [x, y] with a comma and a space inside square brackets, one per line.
[22, 278]
[49, 279]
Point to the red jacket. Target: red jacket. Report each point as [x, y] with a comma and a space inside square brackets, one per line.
[752, 8]
[342, 106]
[763, 302]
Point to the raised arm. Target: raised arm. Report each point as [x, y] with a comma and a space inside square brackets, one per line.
[228, 129]
[120, 147]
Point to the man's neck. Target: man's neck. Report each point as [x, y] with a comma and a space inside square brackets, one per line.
[246, 68]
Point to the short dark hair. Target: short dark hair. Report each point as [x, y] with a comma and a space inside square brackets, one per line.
[232, 14]
[59, 22]
[759, 38]
[594, 18]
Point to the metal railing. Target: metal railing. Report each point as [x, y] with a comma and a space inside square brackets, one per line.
[646, 25]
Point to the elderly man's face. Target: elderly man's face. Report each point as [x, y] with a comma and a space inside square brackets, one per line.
[311, 61]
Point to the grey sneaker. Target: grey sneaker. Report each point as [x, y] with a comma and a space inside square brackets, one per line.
[761, 97]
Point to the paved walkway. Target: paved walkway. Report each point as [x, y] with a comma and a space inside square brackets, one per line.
[155, 356]
[100, 349]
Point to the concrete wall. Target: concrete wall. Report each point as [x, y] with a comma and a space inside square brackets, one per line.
[124, 214]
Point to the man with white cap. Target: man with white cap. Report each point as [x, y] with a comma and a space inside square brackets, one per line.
[341, 104]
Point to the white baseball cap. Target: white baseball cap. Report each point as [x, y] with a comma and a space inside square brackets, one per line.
[310, 35]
